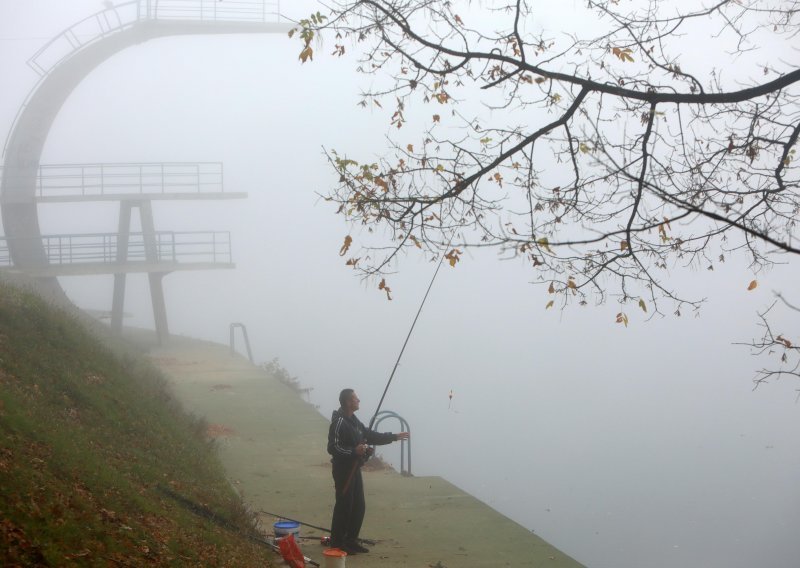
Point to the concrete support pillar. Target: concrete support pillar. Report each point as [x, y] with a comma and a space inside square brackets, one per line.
[123, 238]
[151, 254]
[159, 306]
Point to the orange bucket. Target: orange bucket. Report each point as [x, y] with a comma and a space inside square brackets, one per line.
[334, 557]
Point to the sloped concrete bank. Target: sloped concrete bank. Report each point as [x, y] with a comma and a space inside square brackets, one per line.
[273, 445]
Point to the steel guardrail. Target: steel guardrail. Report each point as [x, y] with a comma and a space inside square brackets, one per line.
[213, 247]
[56, 181]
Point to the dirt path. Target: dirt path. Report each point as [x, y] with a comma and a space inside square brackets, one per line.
[273, 446]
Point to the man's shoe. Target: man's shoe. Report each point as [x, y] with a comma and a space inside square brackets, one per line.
[349, 550]
[355, 548]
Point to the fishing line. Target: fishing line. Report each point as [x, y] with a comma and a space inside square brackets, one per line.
[419, 311]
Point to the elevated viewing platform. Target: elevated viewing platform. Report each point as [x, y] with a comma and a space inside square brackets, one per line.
[115, 253]
[64, 183]
[61, 65]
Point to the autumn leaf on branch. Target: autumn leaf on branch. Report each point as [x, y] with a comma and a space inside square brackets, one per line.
[753, 285]
[545, 244]
[307, 33]
[382, 286]
[306, 54]
[453, 257]
[379, 181]
[623, 54]
[348, 240]
[663, 231]
[572, 285]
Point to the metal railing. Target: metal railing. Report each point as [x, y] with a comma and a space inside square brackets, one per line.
[125, 15]
[209, 247]
[5, 254]
[55, 181]
[260, 11]
[85, 32]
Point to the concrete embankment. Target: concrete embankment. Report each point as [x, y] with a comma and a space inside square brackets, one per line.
[272, 444]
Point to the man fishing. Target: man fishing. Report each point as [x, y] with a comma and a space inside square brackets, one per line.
[348, 441]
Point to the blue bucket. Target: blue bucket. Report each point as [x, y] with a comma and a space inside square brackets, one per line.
[285, 528]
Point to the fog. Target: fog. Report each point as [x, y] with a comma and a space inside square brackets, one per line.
[633, 447]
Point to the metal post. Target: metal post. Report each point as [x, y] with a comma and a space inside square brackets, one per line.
[123, 237]
[156, 284]
[159, 305]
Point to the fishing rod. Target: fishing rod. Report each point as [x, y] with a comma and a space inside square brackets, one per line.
[203, 511]
[295, 521]
[397, 363]
[323, 529]
[410, 331]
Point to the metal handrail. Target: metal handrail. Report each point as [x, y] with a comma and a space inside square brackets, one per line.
[233, 328]
[122, 16]
[405, 445]
[170, 246]
[259, 11]
[110, 179]
[94, 28]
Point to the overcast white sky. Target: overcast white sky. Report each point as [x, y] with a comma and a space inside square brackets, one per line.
[637, 447]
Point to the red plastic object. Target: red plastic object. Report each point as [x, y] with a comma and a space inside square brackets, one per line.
[291, 552]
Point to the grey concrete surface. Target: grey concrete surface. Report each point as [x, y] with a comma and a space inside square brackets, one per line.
[274, 454]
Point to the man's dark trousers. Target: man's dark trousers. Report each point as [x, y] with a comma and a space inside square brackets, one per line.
[348, 512]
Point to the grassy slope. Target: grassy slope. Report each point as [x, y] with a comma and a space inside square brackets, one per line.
[87, 438]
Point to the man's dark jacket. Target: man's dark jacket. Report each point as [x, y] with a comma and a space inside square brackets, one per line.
[346, 433]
